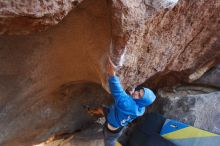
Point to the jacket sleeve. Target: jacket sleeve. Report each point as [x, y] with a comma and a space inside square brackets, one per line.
[115, 87]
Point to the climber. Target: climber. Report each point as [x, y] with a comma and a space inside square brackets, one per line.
[126, 107]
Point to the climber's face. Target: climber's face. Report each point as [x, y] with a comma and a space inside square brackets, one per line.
[138, 94]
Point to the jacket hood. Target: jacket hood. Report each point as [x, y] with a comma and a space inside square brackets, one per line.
[147, 99]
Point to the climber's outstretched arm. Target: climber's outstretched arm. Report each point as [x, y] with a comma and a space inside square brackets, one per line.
[114, 82]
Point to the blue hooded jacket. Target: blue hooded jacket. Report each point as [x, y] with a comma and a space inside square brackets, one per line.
[126, 109]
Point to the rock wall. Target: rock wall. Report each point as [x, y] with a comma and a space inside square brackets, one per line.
[194, 105]
[27, 16]
[36, 118]
[210, 78]
[154, 41]
[34, 67]
[148, 40]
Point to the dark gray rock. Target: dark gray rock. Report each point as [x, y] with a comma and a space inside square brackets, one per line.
[211, 78]
[58, 117]
[199, 108]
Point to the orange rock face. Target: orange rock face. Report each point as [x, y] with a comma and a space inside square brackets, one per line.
[28, 16]
[155, 42]
[146, 39]
[35, 67]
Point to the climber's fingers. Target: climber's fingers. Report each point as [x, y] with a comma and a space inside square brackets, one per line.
[110, 67]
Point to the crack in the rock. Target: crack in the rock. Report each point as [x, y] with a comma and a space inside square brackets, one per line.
[187, 45]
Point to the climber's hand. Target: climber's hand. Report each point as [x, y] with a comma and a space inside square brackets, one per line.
[110, 67]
